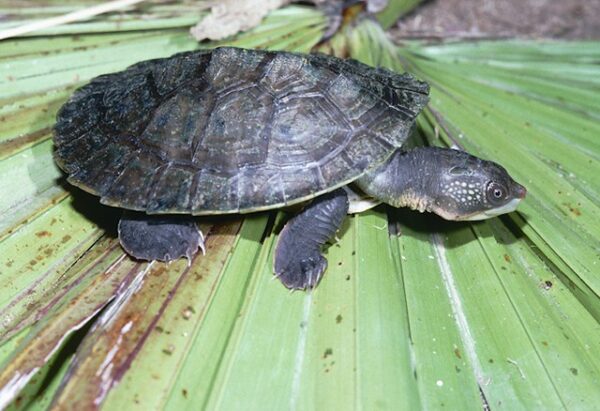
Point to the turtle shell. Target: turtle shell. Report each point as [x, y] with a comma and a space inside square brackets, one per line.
[232, 130]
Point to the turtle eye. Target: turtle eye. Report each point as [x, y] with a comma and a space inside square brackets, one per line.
[496, 193]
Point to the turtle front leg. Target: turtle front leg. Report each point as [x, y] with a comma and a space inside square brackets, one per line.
[298, 262]
[157, 237]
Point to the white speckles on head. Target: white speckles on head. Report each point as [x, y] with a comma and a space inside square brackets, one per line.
[466, 193]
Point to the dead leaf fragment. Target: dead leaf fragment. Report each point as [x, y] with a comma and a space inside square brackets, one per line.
[229, 17]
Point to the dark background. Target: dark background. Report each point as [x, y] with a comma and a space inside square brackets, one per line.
[567, 19]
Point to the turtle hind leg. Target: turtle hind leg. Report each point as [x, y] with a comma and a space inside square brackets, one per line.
[298, 262]
[157, 237]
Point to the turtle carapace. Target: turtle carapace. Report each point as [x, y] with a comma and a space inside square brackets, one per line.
[231, 130]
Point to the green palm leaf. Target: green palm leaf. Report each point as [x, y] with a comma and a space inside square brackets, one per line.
[503, 312]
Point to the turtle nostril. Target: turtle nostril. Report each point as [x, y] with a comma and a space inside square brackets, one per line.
[520, 191]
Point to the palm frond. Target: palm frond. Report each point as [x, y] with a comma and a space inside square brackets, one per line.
[503, 312]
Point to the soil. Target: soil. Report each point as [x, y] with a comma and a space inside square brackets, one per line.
[566, 19]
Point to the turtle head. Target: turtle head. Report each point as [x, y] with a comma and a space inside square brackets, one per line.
[469, 188]
[451, 183]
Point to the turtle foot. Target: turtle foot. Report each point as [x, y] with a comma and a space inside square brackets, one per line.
[301, 273]
[163, 238]
[298, 262]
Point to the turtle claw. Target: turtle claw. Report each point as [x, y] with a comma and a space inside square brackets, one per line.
[201, 242]
[191, 252]
[302, 274]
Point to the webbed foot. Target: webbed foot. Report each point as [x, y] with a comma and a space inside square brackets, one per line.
[298, 262]
[304, 273]
[162, 238]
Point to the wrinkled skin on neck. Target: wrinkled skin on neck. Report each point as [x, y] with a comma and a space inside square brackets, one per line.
[451, 183]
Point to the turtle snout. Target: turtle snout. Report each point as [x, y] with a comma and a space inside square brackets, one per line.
[519, 191]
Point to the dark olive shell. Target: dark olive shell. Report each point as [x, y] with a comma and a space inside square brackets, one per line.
[232, 130]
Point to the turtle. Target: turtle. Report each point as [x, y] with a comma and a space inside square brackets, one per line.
[232, 130]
